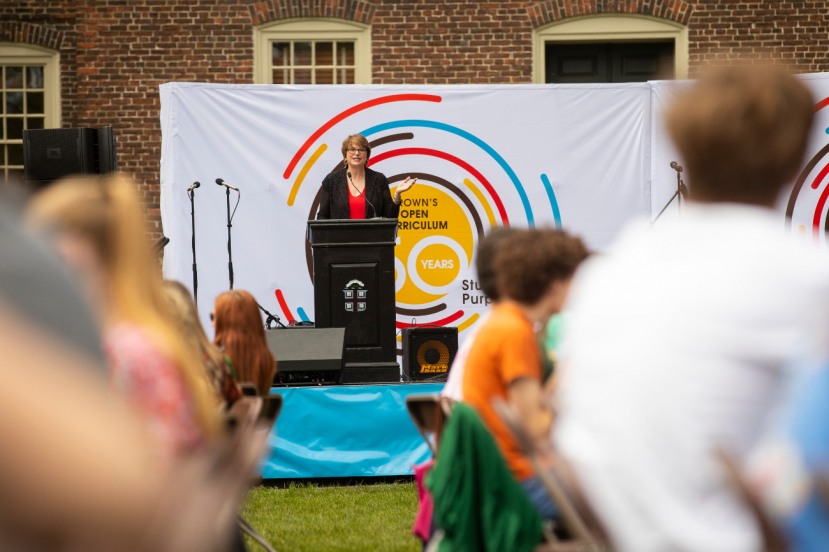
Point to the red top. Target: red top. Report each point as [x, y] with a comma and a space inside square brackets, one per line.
[357, 206]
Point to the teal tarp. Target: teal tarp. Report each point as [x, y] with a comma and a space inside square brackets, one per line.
[346, 431]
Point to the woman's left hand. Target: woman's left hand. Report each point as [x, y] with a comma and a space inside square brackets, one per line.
[404, 187]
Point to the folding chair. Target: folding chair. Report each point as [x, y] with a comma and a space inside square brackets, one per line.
[248, 389]
[244, 412]
[266, 414]
[429, 413]
[577, 519]
[272, 408]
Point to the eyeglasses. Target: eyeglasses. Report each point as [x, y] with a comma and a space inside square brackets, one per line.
[356, 150]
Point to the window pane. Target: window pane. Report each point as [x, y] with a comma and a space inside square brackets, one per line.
[34, 102]
[345, 76]
[324, 76]
[14, 102]
[34, 122]
[302, 76]
[34, 77]
[345, 53]
[14, 128]
[324, 54]
[14, 77]
[282, 76]
[281, 54]
[15, 153]
[302, 53]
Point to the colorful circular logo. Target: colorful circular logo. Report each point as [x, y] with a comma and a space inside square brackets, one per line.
[441, 219]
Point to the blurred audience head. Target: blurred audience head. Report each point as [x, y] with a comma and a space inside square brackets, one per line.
[742, 133]
[186, 316]
[529, 263]
[97, 224]
[487, 247]
[240, 333]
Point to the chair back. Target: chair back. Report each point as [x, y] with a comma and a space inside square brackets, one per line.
[248, 388]
[244, 412]
[429, 413]
[272, 408]
[577, 518]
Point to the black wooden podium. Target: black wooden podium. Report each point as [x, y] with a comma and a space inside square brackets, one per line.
[354, 289]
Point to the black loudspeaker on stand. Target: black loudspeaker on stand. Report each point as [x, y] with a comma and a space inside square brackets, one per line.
[52, 153]
[428, 353]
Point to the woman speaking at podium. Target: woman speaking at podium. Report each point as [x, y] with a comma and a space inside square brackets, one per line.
[357, 192]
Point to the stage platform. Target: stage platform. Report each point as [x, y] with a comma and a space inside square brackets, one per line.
[345, 431]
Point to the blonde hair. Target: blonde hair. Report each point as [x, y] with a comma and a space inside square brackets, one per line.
[107, 212]
[186, 317]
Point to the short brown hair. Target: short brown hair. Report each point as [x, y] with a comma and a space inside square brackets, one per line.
[528, 261]
[358, 140]
[742, 132]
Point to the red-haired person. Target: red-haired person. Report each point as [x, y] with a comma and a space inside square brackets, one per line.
[240, 334]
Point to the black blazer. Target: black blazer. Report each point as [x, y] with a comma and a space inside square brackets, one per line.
[334, 196]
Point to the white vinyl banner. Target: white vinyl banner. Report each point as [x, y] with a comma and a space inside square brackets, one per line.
[585, 158]
[569, 157]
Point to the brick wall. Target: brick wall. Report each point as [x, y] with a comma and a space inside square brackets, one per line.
[115, 53]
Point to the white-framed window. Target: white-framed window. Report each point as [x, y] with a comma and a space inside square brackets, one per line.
[30, 86]
[616, 39]
[312, 51]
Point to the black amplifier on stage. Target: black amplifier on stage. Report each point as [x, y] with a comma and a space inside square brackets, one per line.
[428, 352]
[307, 355]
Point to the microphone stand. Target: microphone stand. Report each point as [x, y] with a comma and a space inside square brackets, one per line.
[681, 192]
[271, 318]
[192, 195]
[229, 251]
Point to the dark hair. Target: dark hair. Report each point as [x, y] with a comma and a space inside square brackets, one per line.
[742, 132]
[484, 257]
[530, 260]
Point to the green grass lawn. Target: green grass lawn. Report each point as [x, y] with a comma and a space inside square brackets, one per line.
[308, 517]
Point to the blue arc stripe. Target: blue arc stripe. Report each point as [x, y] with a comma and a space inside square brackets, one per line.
[551, 195]
[472, 138]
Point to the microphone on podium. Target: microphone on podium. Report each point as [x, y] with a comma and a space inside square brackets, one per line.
[193, 186]
[676, 166]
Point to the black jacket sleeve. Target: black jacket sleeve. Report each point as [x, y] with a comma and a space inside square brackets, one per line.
[381, 197]
[327, 196]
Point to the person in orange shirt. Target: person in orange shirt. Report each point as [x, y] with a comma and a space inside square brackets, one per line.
[533, 272]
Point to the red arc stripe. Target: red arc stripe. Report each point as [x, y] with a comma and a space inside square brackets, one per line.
[348, 113]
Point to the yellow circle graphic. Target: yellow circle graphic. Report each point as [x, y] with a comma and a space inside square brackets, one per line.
[426, 213]
[438, 264]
